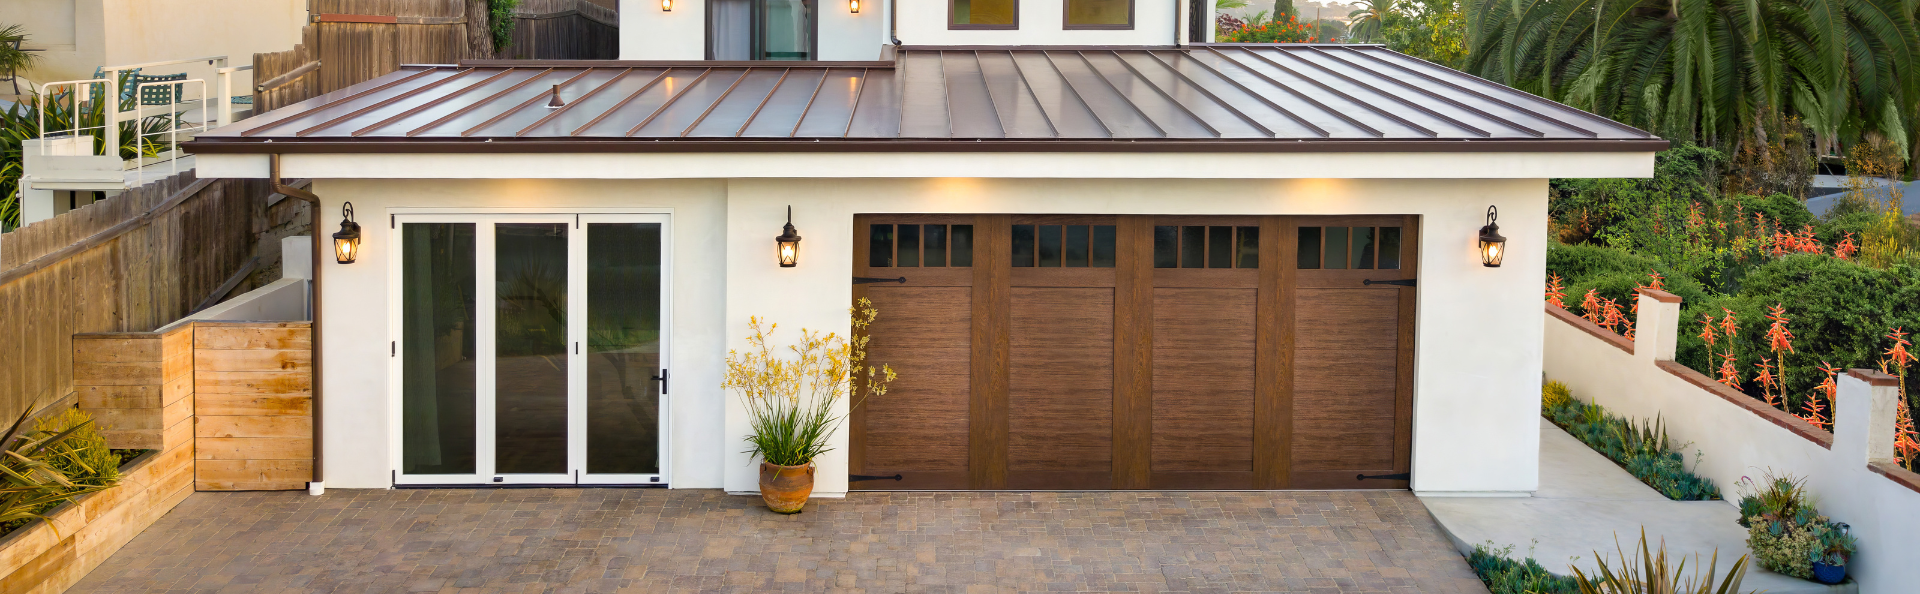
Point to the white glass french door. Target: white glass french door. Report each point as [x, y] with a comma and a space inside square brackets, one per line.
[530, 348]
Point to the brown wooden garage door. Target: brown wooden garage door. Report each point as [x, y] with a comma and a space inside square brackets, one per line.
[1137, 352]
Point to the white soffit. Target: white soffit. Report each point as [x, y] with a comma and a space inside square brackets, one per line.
[1413, 165]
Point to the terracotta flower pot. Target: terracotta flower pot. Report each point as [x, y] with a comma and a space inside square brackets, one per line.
[786, 488]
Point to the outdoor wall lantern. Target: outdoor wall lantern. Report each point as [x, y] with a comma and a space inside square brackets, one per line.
[346, 243]
[1493, 245]
[789, 243]
[854, 5]
[666, 5]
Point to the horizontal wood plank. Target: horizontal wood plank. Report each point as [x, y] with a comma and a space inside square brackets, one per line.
[217, 404]
[249, 337]
[253, 448]
[92, 397]
[145, 373]
[253, 475]
[252, 360]
[254, 426]
[251, 382]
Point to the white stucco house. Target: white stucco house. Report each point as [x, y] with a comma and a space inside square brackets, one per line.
[1104, 258]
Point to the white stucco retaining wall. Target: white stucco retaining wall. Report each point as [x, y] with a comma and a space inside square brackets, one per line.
[1728, 439]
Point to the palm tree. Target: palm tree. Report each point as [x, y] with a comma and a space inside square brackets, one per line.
[1711, 70]
[1366, 22]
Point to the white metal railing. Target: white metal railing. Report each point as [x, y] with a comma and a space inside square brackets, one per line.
[173, 130]
[215, 109]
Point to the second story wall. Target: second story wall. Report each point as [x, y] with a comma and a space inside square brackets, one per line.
[688, 31]
[77, 36]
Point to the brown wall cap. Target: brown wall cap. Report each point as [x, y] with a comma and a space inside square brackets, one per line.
[1573, 319]
[1873, 378]
[1778, 417]
[1906, 478]
[1659, 295]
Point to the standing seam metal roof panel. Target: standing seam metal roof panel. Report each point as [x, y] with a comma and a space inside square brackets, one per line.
[1228, 96]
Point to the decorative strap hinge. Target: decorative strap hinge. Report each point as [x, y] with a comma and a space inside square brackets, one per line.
[1404, 282]
[854, 478]
[867, 280]
[1404, 476]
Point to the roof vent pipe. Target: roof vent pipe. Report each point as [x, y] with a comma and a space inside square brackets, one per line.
[555, 101]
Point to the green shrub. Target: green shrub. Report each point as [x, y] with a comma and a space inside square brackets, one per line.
[1650, 572]
[1503, 575]
[50, 464]
[1643, 449]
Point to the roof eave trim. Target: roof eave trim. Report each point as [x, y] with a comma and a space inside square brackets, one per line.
[583, 145]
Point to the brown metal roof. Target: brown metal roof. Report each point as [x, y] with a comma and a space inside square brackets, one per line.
[1297, 97]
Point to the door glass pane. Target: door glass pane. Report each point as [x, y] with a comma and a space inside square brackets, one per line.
[880, 246]
[1103, 246]
[1023, 246]
[530, 380]
[983, 12]
[1220, 247]
[1193, 247]
[908, 254]
[786, 27]
[623, 348]
[1249, 247]
[1309, 248]
[963, 245]
[1363, 247]
[1050, 246]
[1336, 254]
[1166, 247]
[1076, 246]
[730, 29]
[438, 362]
[936, 245]
[1389, 248]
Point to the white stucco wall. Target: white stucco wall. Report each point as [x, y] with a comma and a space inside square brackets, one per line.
[1724, 441]
[81, 35]
[648, 33]
[359, 445]
[1477, 363]
[1042, 22]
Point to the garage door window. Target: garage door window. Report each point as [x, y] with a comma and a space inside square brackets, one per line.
[1203, 246]
[1063, 246]
[920, 246]
[1340, 248]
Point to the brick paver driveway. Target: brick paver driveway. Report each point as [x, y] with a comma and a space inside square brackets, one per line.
[603, 540]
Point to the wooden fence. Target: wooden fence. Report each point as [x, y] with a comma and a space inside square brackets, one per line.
[130, 263]
[563, 30]
[352, 41]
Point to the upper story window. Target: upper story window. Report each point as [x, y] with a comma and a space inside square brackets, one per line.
[761, 29]
[983, 14]
[1099, 14]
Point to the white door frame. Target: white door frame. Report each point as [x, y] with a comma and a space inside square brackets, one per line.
[485, 331]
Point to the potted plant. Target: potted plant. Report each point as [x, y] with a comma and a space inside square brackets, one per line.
[1829, 560]
[791, 400]
[1788, 535]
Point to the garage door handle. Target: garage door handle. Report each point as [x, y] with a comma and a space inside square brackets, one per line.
[867, 280]
[854, 478]
[1404, 476]
[1404, 282]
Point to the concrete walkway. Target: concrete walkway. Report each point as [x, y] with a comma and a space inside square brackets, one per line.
[655, 540]
[1585, 500]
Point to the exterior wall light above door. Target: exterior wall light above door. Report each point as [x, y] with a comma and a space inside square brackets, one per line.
[666, 5]
[853, 6]
[789, 242]
[346, 242]
[1493, 245]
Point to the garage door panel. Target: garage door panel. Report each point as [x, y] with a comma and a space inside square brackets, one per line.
[1207, 320]
[1338, 374]
[1347, 318]
[919, 429]
[1060, 382]
[1331, 448]
[915, 319]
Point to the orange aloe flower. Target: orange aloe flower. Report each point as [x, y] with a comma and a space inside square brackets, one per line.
[1707, 333]
[1766, 379]
[1729, 374]
[1778, 337]
[1591, 305]
[1729, 327]
[1816, 404]
[1555, 292]
[1846, 249]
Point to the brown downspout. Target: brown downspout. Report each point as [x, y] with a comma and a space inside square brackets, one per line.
[313, 203]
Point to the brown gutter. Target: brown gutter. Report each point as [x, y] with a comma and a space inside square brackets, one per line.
[227, 146]
[313, 203]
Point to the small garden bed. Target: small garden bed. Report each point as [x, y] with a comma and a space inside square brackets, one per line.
[1503, 575]
[1641, 448]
